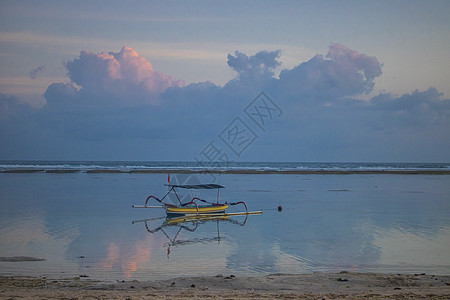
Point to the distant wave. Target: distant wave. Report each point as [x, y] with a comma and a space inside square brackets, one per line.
[136, 166]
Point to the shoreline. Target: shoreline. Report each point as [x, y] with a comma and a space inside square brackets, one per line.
[341, 285]
[235, 171]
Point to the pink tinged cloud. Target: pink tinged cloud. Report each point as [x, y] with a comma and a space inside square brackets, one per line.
[352, 60]
[125, 75]
[342, 72]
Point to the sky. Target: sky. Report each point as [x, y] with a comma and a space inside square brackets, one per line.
[215, 81]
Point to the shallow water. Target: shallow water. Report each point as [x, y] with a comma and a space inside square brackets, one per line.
[82, 224]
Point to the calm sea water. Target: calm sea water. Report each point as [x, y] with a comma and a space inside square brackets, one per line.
[83, 224]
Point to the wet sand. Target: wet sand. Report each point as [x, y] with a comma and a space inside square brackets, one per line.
[234, 171]
[342, 285]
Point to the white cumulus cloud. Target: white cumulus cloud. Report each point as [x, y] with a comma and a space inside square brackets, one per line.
[124, 75]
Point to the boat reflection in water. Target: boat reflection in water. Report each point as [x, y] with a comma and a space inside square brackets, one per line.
[189, 223]
[189, 211]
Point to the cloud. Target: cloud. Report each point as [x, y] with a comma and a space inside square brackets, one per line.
[341, 73]
[253, 72]
[117, 105]
[11, 107]
[35, 71]
[110, 95]
[124, 75]
[259, 65]
[418, 108]
[59, 93]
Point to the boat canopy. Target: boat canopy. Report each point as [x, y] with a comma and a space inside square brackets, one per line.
[208, 186]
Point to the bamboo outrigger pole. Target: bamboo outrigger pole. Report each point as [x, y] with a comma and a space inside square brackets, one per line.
[258, 212]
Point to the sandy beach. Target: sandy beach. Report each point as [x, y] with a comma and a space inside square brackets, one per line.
[343, 285]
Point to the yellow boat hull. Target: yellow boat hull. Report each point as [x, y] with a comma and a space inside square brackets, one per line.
[197, 210]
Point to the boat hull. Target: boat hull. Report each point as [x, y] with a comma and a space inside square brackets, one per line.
[210, 209]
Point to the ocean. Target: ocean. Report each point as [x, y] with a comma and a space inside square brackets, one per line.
[81, 223]
[125, 166]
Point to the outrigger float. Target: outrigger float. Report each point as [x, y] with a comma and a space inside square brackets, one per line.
[194, 207]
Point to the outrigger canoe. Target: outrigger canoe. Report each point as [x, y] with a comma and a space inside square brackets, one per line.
[205, 209]
[192, 207]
